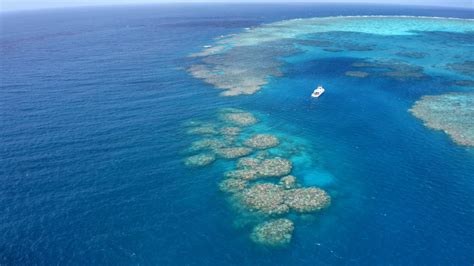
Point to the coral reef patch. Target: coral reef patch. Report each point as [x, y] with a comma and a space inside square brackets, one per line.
[308, 199]
[233, 185]
[239, 118]
[277, 232]
[266, 198]
[399, 70]
[288, 182]
[262, 141]
[465, 68]
[453, 113]
[260, 186]
[233, 152]
[408, 54]
[200, 160]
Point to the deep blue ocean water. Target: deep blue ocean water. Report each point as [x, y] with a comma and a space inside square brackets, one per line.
[92, 103]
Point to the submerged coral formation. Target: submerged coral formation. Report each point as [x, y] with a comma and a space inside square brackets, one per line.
[357, 74]
[200, 159]
[207, 144]
[248, 163]
[271, 199]
[233, 185]
[239, 118]
[288, 182]
[408, 54]
[231, 137]
[242, 174]
[266, 198]
[274, 167]
[464, 83]
[307, 199]
[261, 185]
[262, 141]
[277, 232]
[395, 69]
[453, 113]
[233, 152]
[241, 64]
[203, 130]
[230, 131]
[465, 68]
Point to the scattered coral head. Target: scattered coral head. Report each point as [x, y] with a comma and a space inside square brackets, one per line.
[233, 152]
[203, 130]
[262, 141]
[288, 182]
[207, 144]
[200, 160]
[238, 117]
[242, 174]
[308, 199]
[275, 233]
[273, 167]
[232, 185]
[266, 198]
[230, 131]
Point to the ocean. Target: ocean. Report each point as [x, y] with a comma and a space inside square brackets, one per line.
[96, 105]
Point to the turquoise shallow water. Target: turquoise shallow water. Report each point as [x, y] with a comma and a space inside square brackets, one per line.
[93, 103]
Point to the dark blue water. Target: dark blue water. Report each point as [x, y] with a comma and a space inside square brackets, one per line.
[91, 109]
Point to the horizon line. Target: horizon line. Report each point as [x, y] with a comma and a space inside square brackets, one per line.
[103, 5]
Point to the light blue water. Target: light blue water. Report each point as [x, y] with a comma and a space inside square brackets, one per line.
[92, 103]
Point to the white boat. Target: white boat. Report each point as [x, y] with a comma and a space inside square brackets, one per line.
[317, 92]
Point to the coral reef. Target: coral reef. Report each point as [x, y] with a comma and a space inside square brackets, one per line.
[333, 50]
[241, 174]
[230, 131]
[404, 75]
[415, 55]
[200, 160]
[465, 68]
[395, 69]
[203, 130]
[253, 199]
[233, 152]
[241, 64]
[232, 185]
[266, 198]
[357, 74]
[276, 232]
[308, 199]
[239, 118]
[248, 163]
[464, 83]
[207, 144]
[288, 182]
[262, 141]
[274, 167]
[453, 113]
[271, 199]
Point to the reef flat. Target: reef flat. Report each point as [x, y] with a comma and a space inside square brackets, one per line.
[453, 113]
[240, 64]
[380, 47]
[259, 184]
